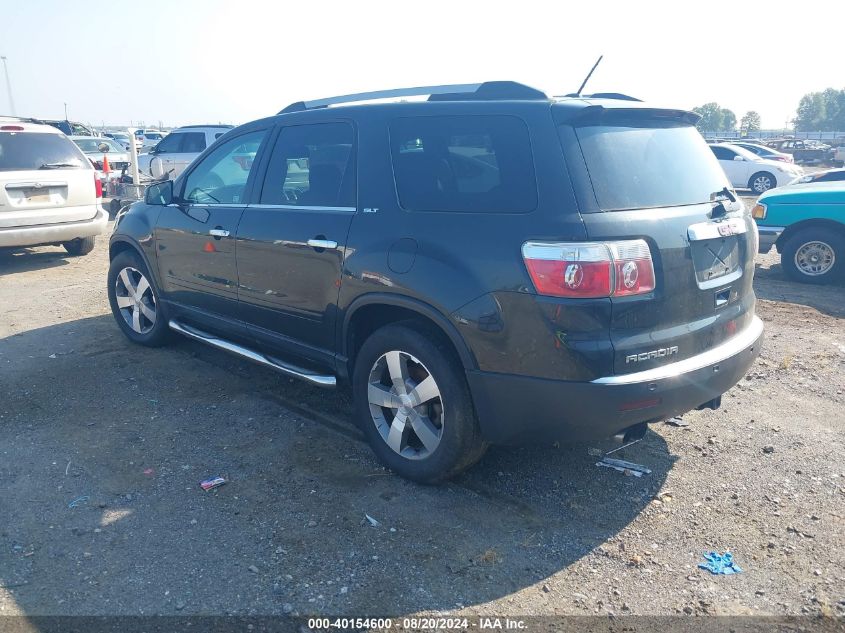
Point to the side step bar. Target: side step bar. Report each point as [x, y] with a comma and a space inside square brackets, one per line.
[320, 380]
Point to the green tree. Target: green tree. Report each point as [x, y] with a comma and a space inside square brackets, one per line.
[715, 118]
[821, 111]
[711, 117]
[750, 122]
[728, 120]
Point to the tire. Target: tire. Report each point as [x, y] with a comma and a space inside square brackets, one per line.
[762, 181]
[446, 420]
[150, 328]
[80, 246]
[814, 255]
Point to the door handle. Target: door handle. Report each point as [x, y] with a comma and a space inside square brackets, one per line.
[315, 243]
[218, 233]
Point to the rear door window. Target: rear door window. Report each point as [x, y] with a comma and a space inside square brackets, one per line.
[20, 151]
[192, 142]
[723, 153]
[312, 166]
[646, 164]
[479, 164]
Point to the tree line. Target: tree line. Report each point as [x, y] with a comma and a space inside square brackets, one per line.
[824, 111]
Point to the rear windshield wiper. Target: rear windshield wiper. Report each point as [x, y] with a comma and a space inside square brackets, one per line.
[58, 165]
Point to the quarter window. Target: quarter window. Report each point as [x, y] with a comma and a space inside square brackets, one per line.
[463, 164]
[312, 166]
[221, 177]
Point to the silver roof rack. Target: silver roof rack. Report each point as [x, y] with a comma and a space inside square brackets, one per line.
[454, 92]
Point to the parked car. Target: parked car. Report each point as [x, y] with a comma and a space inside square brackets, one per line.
[827, 175]
[96, 147]
[486, 266]
[839, 155]
[802, 151]
[49, 191]
[764, 152]
[124, 139]
[806, 224]
[174, 152]
[71, 128]
[148, 138]
[749, 171]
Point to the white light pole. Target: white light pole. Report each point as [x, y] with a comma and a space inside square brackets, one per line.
[8, 85]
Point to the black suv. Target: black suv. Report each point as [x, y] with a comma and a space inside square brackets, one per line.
[486, 266]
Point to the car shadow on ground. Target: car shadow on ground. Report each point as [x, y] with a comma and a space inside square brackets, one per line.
[21, 260]
[103, 449]
[772, 284]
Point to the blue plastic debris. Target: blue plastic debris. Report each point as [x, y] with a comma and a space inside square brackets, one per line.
[77, 502]
[720, 564]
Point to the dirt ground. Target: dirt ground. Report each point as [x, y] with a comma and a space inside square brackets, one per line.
[103, 444]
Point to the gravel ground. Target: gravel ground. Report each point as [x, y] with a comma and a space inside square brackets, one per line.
[103, 443]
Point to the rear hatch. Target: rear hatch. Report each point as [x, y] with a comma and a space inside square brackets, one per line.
[44, 179]
[647, 174]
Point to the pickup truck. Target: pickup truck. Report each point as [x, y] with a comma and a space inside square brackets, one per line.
[806, 224]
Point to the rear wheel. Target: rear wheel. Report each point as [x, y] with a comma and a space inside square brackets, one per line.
[79, 246]
[135, 302]
[761, 182]
[413, 404]
[814, 256]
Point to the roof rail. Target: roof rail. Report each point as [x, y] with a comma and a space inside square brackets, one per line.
[604, 95]
[488, 90]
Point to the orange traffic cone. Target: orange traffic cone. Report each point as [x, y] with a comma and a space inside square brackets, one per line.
[106, 168]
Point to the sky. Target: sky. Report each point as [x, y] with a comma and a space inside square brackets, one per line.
[182, 62]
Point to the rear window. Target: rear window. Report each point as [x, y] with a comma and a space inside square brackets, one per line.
[654, 165]
[21, 151]
[463, 164]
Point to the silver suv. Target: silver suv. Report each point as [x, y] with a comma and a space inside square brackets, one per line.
[175, 151]
[49, 190]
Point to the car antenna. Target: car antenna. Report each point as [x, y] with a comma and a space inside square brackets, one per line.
[587, 78]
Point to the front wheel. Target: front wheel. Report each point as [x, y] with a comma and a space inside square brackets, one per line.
[762, 182]
[413, 404]
[135, 301]
[814, 256]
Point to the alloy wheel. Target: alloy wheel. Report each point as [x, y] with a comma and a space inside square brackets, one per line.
[135, 300]
[815, 258]
[762, 183]
[405, 405]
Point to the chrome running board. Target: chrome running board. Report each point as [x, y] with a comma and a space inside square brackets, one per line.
[320, 380]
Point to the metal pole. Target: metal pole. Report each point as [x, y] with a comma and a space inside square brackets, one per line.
[65, 110]
[8, 86]
[133, 154]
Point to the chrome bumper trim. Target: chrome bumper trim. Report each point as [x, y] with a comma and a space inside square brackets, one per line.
[720, 353]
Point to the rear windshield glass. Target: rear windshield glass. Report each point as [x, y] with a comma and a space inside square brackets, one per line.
[651, 166]
[463, 164]
[36, 150]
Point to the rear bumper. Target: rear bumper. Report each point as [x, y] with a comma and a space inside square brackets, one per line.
[513, 408]
[768, 236]
[54, 233]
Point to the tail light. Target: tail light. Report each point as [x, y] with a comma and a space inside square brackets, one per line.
[590, 269]
[98, 186]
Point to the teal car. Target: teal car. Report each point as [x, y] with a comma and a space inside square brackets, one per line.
[806, 224]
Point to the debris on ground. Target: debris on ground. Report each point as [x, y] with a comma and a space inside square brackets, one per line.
[720, 564]
[214, 482]
[628, 468]
[77, 502]
[372, 521]
[677, 420]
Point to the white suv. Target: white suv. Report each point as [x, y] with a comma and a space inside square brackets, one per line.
[749, 171]
[49, 190]
[175, 151]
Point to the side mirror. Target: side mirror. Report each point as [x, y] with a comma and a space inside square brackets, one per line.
[738, 158]
[160, 193]
[104, 148]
